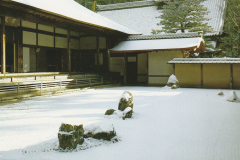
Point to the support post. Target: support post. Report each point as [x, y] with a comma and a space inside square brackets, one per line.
[147, 67]
[125, 69]
[97, 50]
[174, 69]
[68, 51]
[231, 74]
[201, 75]
[3, 45]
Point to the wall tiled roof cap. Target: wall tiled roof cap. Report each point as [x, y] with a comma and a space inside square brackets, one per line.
[205, 60]
[126, 5]
[165, 36]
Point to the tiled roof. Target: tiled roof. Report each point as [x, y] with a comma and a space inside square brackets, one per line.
[143, 18]
[205, 60]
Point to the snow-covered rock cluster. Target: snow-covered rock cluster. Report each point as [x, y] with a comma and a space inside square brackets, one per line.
[70, 136]
[125, 106]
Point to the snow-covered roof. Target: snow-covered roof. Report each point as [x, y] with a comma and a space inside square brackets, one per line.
[142, 18]
[205, 60]
[159, 44]
[74, 11]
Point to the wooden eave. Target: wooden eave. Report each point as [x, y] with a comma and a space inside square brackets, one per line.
[36, 15]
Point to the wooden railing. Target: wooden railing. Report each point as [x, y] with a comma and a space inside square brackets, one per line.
[21, 87]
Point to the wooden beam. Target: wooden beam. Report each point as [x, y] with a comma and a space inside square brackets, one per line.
[3, 45]
[68, 51]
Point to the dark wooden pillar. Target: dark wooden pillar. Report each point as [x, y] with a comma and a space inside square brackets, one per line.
[3, 45]
[202, 75]
[147, 67]
[68, 51]
[125, 68]
[16, 51]
[231, 78]
[174, 69]
[97, 51]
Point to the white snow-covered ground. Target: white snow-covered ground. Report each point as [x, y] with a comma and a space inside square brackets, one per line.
[180, 124]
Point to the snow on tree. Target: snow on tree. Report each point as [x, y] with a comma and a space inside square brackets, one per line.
[184, 16]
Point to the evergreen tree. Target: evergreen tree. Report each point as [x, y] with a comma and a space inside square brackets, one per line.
[183, 15]
[231, 39]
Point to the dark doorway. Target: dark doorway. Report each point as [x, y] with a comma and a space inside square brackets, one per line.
[87, 61]
[131, 72]
[75, 61]
[54, 61]
[9, 57]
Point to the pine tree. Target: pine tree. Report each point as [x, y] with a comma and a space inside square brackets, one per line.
[231, 40]
[183, 15]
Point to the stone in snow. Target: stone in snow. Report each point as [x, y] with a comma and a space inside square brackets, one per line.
[232, 96]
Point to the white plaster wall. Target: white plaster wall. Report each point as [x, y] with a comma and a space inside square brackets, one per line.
[102, 43]
[60, 31]
[117, 64]
[45, 28]
[45, 40]
[158, 69]
[28, 24]
[74, 43]
[26, 59]
[60, 42]
[29, 38]
[88, 42]
[142, 67]
[73, 33]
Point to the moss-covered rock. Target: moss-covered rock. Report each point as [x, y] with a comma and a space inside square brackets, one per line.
[127, 113]
[125, 101]
[70, 136]
[103, 131]
[101, 135]
[110, 111]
